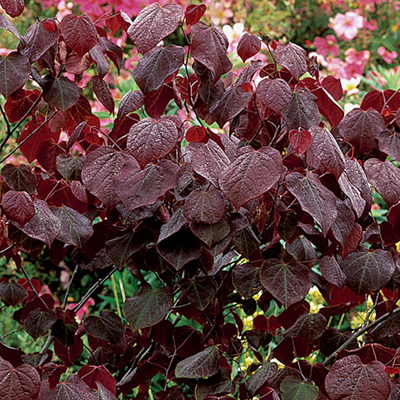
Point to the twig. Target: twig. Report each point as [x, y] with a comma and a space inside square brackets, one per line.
[7, 248]
[49, 341]
[69, 287]
[99, 283]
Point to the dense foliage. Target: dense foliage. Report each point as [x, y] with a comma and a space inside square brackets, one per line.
[213, 224]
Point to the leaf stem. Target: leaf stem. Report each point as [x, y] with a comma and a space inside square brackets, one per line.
[69, 287]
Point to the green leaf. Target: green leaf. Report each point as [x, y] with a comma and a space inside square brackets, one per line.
[294, 389]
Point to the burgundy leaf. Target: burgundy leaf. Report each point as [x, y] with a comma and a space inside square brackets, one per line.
[97, 54]
[293, 58]
[308, 326]
[245, 279]
[209, 47]
[389, 143]
[274, 93]
[79, 32]
[76, 229]
[302, 110]
[208, 160]
[385, 177]
[18, 206]
[200, 365]
[12, 293]
[150, 140]
[196, 134]
[302, 250]
[72, 389]
[19, 103]
[140, 187]
[367, 271]
[361, 128]
[107, 326]
[70, 167]
[99, 171]
[155, 103]
[331, 271]
[22, 383]
[157, 65]
[62, 94]
[93, 374]
[15, 70]
[104, 393]
[211, 234]
[13, 8]
[350, 378]
[174, 224]
[153, 24]
[325, 147]
[103, 93]
[148, 307]
[354, 184]
[314, 198]
[5, 23]
[261, 377]
[300, 140]
[38, 39]
[39, 322]
[293, 387]
[289, 283]
[69, 354]
[19, 177]
[342, 228]
[207, 207]
[251, 174]
[44, 225]
[130, 102]
[248, 46]
[194, 12]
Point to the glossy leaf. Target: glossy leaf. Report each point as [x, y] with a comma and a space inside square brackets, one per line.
[19, 177]
[289, 283]
[79, 32]
[107, 326]
[245, 279]
[73, 388]
[367, 271]
[300, 140]
[39, 322]
[153, 24]
[248, 46]
[22, 382]
[13, 8]
[293, 58]
[5, 23]
[315, 198]
[92, 375]
[274, 93]
[15, 70]
[12, 293]
[194, 12]
[200, 365]
[211, 234]
[331, 271]
[349, 378]
[62, 94]
[150, 140]
[18, 206]
[103, 93]
[148, 307]
[251, 174]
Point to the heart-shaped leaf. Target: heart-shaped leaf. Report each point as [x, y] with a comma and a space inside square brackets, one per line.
[261, 376]
[308, 326]
[349, 378]
[293, 58]
[248, 46]
[93, 374]
[13, 8]
[153, 24]
[331, 271]
[19, 177]
[62, 94]
[39, 322]
[22, 383]
[300, 140]
[211, 234]
[194, 12]
[103, 93]
[150, 140]
[148, 307]
[251, 174]
[73, 388]
[107, 326]
[79, 32]
[200, 365]
[12, 293]
[289, 283]
[293, 388]
[245, 279]
[274, 93]
[18, 206]
[15, 70]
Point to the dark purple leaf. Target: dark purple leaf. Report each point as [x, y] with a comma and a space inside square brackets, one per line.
[274, 93]
[315, 198]
[98, 377]
[367, 271]
[39, 322]
[103, 93]
[200, 365]
[389, 143]
[12, 293]
[246, 280]
[13, 8]
[79, 32]
[5, 23]
[251, 174]
[150, 139]
[19, 177]
[200, 291]
[70, 167]
[362, 128]
[350, 378]
[148, 307]
[153, 24]
[140, 187]
[293, 387]
[62, 94]
[261, 377]
[331, 271]
[97, 54]
[76, 229]
[248, 46]
[15, 70]
[22, 383]
[174, 224]
[289, 283]
[385, 177]
[211, 234]
[73, 388]
[107, 326]
[209, 47]
[130, 103]
[157, 65]
[18, 206]
[99, 171]
[308, 326]
[292, 57]
[104, 393]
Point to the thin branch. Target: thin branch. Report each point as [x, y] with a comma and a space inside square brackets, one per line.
[69, 287]
[29, 281]
[7, 248]
[28, 137]
[96, 286]
[49, 341]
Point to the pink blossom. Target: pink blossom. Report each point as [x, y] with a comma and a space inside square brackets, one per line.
[327, 45]
[387, 56]
[84, 310]
[371, 26]
[346, 26]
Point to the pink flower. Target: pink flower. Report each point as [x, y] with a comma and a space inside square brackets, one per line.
[371, 26]
[327, 45]
[387, 57]
[346, 26]
[83, 310]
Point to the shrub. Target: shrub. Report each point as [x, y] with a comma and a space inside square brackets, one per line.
[257, 218]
